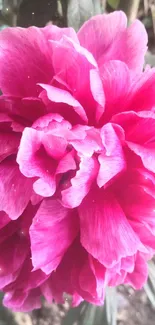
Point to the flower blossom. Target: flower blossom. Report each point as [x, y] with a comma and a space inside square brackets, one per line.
[77, 161]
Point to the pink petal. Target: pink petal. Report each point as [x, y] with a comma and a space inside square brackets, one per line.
[81, 183]
[107, 38]
[19, 45]
[138, 126]
[66, 163]
[14, 252]
[142, 94]
[146, 153]
[9, 143]
[74, 71]
[112, 161]
[14, 187]
[60, 226]
[101, 214]
[23, 301]
[144, 233]
[88, 143]
[139, 276]
[62, 96]
[34, 162]
[116, 81]
[97, 92]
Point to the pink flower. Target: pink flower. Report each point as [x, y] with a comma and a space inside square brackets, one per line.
[77, 161]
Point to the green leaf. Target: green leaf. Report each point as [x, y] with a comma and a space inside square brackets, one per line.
[113, 3]
[150, 285]
[87, 314]
[80, 11]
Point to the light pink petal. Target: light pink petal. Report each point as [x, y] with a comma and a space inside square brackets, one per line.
[44, 121]
[112, 160]
[34, 162]
[97, 92]
[103, 221]
[52, 232]
[81, 183]
[15, 189]
[116, 82]
[62, 96]
[139, 276]
[107, 38]
[53, 32]
[55, 146]
[89, 142]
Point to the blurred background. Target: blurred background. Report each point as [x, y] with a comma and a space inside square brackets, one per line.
[123, 306]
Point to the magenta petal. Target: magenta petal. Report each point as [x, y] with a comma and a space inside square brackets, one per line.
[101, 214]
[62, 96]
[98, 33]
[107, 37]
[140, 274]
[74, 71]
[23, 301]
[116, 81]
[9, 143]
[14, 187]
[21, 44]
[146, 153]
[81, 183]
[112, 161]
[60, 225]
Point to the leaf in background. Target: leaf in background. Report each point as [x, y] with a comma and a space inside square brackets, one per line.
[87, 314]
[81, 10]
[113, 3]
[150, 285]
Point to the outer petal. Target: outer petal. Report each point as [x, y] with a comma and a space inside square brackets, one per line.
[23, 301]
[13, 252]
[19, 45]
[116, 82]
[103, 221]
[140, 274]
[60, 226]
[15, 189]
[107, 38]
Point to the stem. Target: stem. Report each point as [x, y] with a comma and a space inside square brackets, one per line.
[130, 7]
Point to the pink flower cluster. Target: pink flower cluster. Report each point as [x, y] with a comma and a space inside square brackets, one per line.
[77, 161]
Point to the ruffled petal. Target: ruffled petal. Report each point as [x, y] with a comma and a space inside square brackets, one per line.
[15, 189]
[103, 221]
[60, 226]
